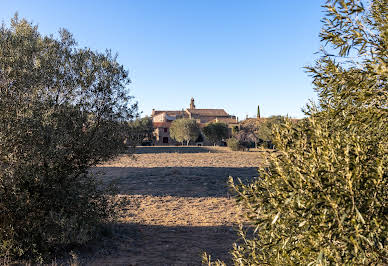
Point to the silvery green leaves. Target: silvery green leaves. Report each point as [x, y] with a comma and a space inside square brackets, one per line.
[323, 200]
[62, 110]
[184, 129]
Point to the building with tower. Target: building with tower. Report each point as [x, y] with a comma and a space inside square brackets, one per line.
[162, 120]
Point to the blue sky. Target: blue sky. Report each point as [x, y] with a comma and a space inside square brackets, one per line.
[226, 54]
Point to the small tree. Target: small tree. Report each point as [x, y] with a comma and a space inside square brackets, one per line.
[184, 130]
[233, 144]
[264, 129]
[139, 130]
[215, 132]
[247, 138]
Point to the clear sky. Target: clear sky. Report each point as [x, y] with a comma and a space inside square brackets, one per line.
[226, 54]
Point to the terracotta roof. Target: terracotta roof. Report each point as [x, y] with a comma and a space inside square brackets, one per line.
[224, 120]
[156, 112]
[208, 112]
[161, 124]
[263, 119]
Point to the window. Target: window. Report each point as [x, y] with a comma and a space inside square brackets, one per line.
[165, 129]
[165, 139]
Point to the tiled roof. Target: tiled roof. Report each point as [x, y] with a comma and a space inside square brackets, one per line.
[208, 112]
[156, 112]
[224, 120]
[161, 124]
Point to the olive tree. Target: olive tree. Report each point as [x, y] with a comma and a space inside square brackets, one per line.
[184, 129]
[215, 132]
[139, 130]
[323, 199]
[63, 109]
[263, 127]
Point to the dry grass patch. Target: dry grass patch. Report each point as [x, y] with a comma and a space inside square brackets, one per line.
[181, 211]
[178, 204]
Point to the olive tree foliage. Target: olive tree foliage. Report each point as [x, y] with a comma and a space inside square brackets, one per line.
[323, 199]
[139, 130]
[215, 132]
[62, 110]
[184, 130]
[263, 127]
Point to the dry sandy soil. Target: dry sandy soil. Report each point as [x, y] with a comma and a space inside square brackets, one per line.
[178, 205]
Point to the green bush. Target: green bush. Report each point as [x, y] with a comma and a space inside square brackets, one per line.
[265, 129]
[323, 200]
[233, 144]
[62, 110]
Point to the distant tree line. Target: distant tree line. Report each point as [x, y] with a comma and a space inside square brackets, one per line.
[254, 133]
[187, 130]
[251, 134]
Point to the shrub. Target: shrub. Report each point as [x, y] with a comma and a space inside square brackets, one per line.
[246, 138]
[233, 144]
[62, 110]
[235, 130]
[323, 200]
[262, 128]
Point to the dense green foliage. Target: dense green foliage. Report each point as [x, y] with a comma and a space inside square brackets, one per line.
[184, 129]
[140, 130]
[215, 132]
[258, 132]
[265, 128]
[323, 200]
[233, 144]
[62, 110]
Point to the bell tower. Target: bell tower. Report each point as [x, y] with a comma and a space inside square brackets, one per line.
[192, 105]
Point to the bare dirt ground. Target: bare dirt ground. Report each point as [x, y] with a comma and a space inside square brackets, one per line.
[178, 205]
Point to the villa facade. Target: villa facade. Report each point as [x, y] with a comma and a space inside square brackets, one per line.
[162, 120]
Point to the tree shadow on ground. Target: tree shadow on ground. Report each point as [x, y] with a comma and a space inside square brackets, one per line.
[144, 242]
[175, 181]
[179, 149]
[137, 244]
